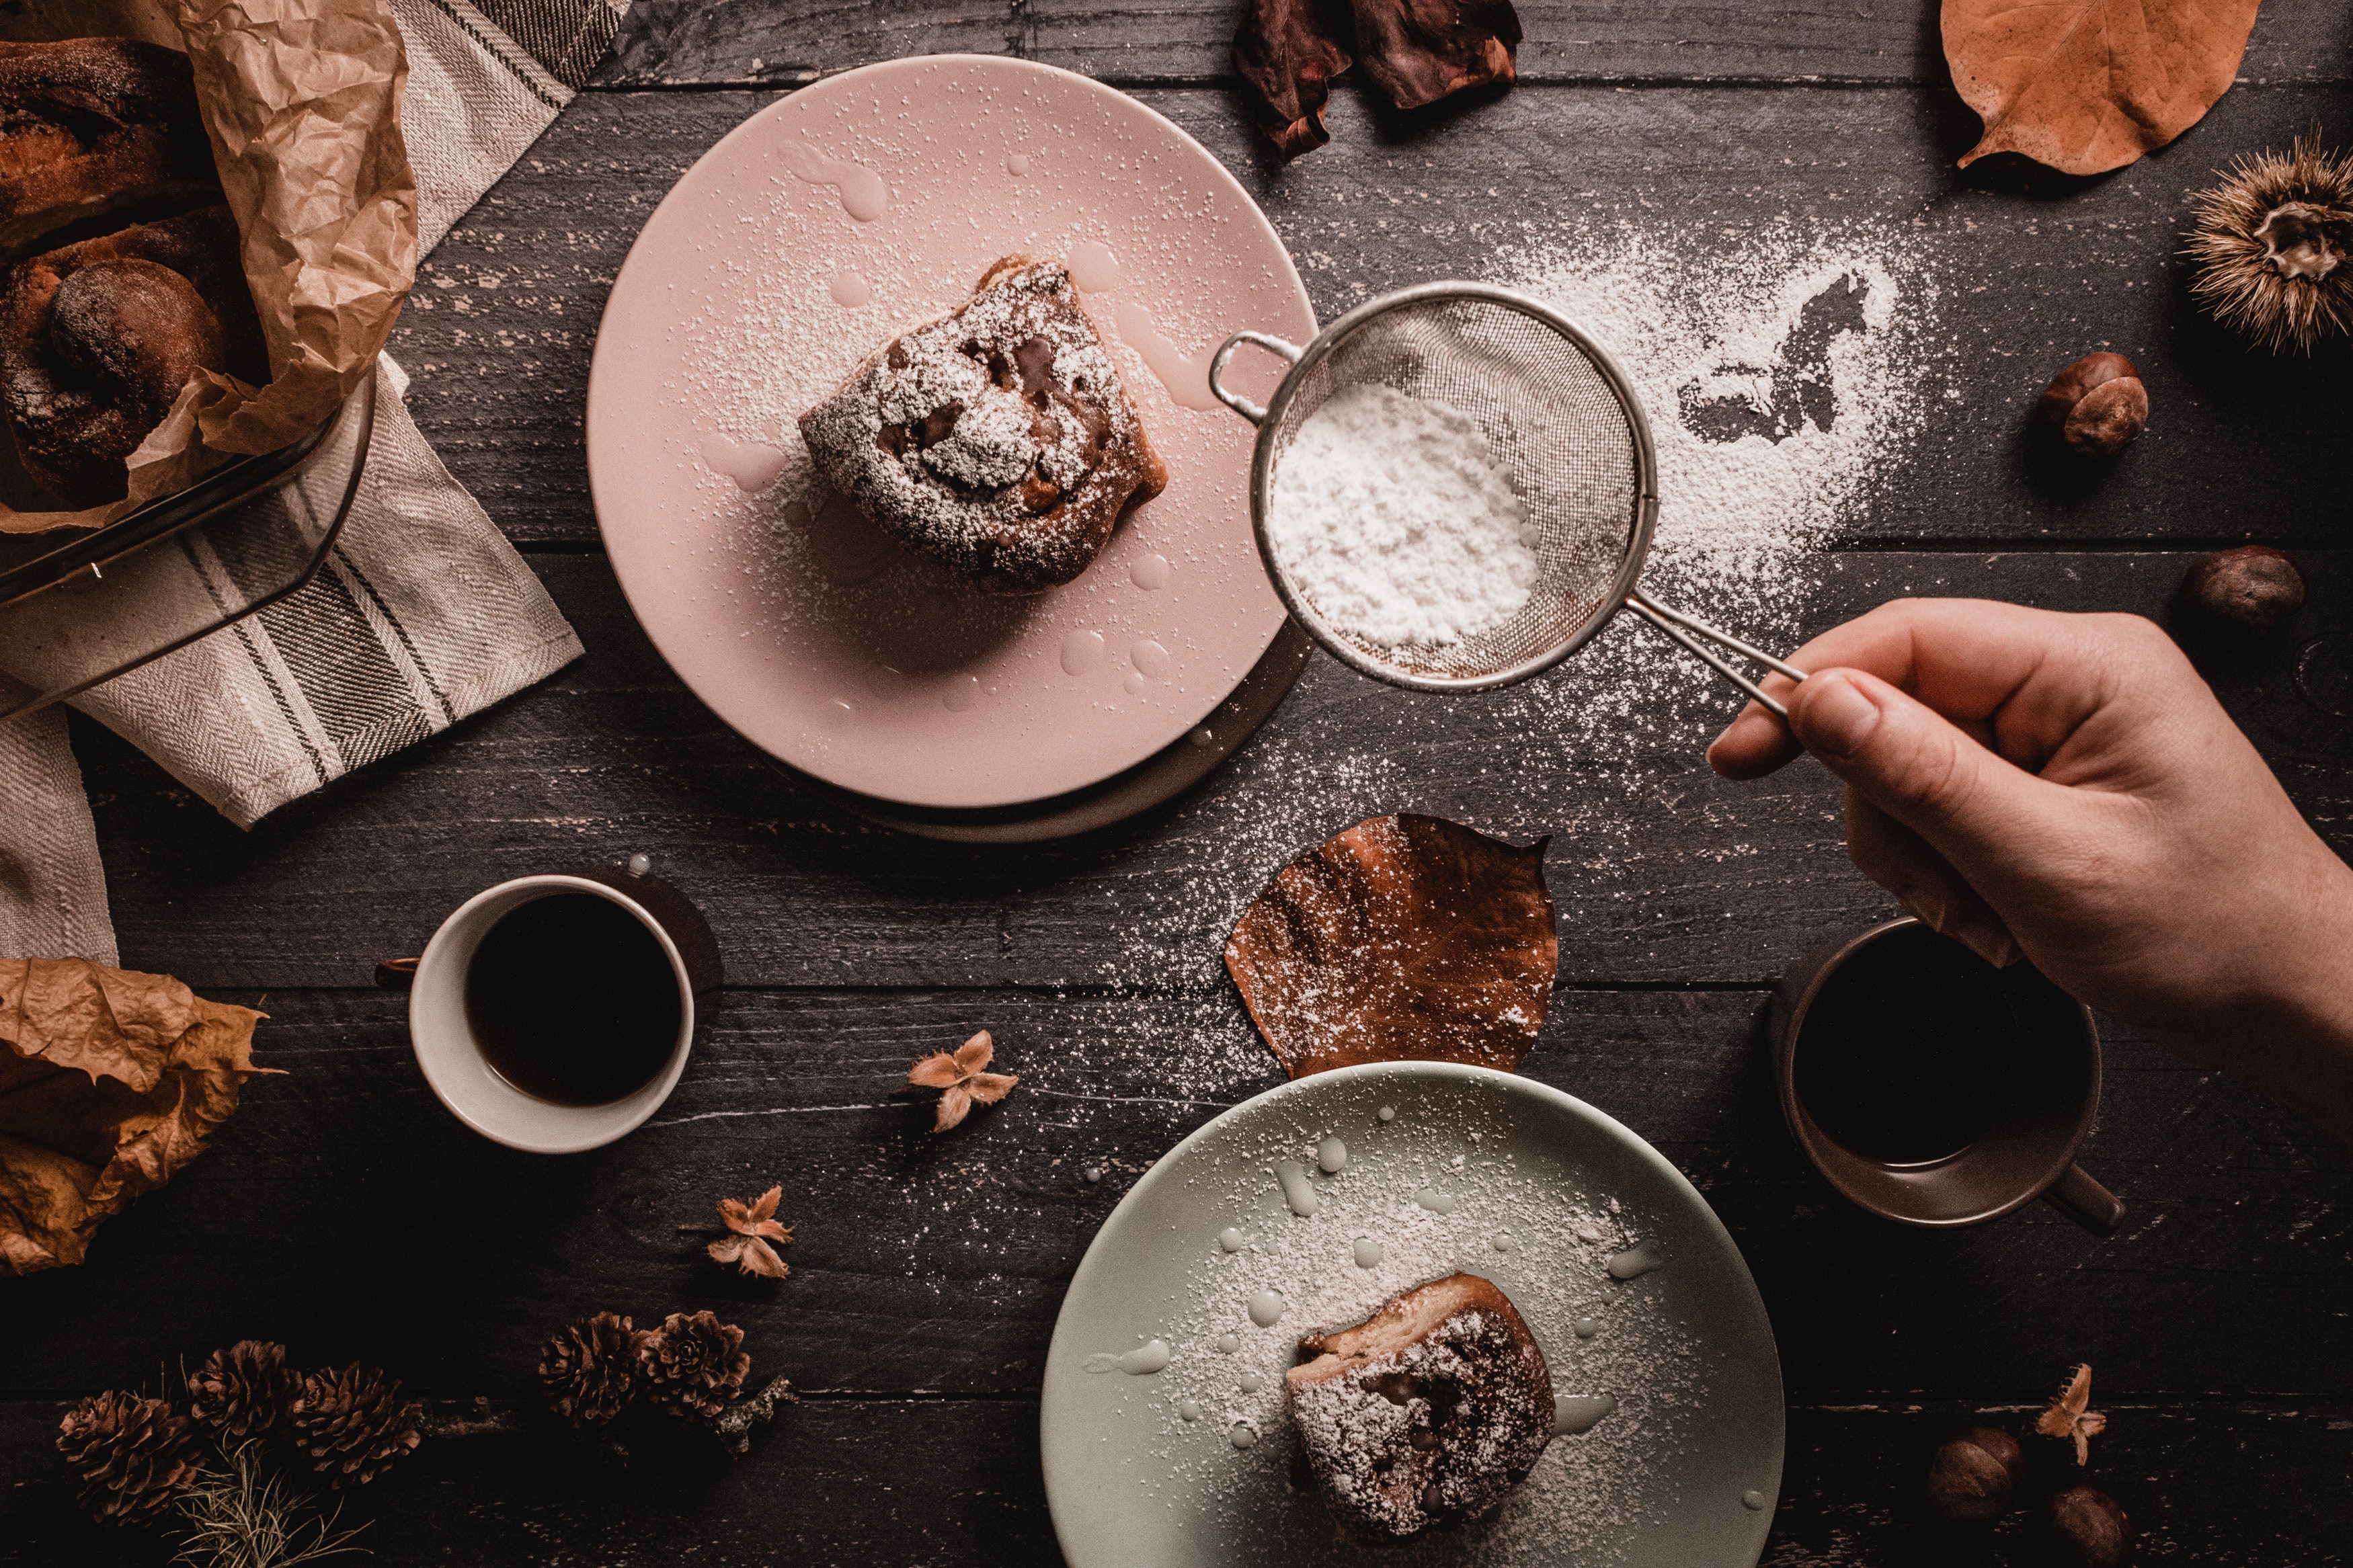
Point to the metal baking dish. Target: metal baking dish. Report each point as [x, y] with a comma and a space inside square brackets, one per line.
[181, 567]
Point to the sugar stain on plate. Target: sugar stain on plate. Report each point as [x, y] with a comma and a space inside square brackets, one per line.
[1150, 1357]
[1187, 376]
[752, 464]
[1637, 1260]
[863, 192]
[1082, 652]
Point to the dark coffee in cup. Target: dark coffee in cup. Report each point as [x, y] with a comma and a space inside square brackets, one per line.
[1910, 1050]
[1933, 1088]
[573, 999]
[555, 1013]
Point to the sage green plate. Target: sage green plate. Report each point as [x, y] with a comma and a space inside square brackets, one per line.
[1484, 1172]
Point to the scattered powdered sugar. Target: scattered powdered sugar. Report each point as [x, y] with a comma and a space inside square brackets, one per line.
[1397, 521]
[1784, 372]
[1223, 1431]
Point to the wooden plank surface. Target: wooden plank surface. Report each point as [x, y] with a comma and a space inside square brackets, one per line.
[707, 43]
[344, 1213]
[1663, 873]
[946, 1483]
[499, 334]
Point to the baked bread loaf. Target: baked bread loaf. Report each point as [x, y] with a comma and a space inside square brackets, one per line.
[1425, 1414]
[997, 441]
[97, 338]
[93, 128]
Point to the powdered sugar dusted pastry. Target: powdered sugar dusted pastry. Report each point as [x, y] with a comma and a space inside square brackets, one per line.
[1426, 1412]
[998, 439]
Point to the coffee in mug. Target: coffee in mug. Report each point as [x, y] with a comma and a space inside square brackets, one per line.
[573, 999]
[556, 1013]
[1931, 1088]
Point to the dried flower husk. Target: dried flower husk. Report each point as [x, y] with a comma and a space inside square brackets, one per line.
[754, 1234]
[110, 1082]
[130, 1457]
[961, 1080]
[243, 1391]
[2070, 1415]
[1405, 939]
[2273, 243]
[693, 1364]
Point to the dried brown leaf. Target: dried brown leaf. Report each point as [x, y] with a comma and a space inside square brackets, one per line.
[1415, 51]
[2070, 1415]
[1406, 938]
[2085, 86]
[960, 1080]
[110, 1082]
[1418, 51]
[1287, 52]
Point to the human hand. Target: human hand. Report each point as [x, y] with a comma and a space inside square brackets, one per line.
[2067, 788]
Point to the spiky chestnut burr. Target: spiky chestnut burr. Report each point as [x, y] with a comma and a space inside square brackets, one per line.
[2274, 246]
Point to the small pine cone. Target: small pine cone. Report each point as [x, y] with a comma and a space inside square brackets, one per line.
[352, 1424]
[242, 1391]
[693, 1364]
[130, 1455]
[589, 1371]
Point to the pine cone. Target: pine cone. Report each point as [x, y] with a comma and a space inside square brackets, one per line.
[693, 1364]
[130, 1455]
[589, 1371]
[244, 1390]
[352, 1423]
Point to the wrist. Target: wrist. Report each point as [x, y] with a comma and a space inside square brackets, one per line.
[2295, 1033]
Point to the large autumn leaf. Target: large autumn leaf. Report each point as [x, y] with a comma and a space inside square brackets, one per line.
[110, 1081]
[1404, 938]
[2086, 86]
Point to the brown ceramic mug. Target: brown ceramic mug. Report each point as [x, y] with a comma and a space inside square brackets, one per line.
[1935, 1090]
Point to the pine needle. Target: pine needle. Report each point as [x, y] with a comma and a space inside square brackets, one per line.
[251, 1516]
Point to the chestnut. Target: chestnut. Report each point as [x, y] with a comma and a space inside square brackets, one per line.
[2088, 1527]
[2095, 408]
[2249, 589]
[1973, 1474]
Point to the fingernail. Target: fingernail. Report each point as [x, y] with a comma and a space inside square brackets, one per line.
[1838, 719]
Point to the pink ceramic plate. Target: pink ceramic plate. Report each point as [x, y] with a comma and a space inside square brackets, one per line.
[809, 235]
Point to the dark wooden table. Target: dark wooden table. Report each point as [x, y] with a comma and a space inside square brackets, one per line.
[344, 1213]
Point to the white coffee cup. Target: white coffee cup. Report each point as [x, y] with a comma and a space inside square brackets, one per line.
[452, 1058]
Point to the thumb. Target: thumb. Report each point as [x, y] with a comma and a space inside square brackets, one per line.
[1973, 807]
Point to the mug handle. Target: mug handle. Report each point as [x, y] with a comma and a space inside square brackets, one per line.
[2085, 1202]
[395, 973]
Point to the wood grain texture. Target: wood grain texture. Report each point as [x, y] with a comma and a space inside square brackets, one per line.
[1662, 873]
[500, 331]
[704, 43]
[943, 1483]
[343, 1212]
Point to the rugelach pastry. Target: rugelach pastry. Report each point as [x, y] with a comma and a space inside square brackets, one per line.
[96, 128]
[997, 441]
[1425, 1414]
[97, 338]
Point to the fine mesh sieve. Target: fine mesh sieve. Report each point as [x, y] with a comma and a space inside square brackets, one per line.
[1563, 417]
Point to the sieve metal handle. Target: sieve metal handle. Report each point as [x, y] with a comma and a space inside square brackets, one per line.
[1687, 630]
[1254, 413]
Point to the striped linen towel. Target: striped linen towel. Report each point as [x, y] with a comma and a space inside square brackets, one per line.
[423, 614]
